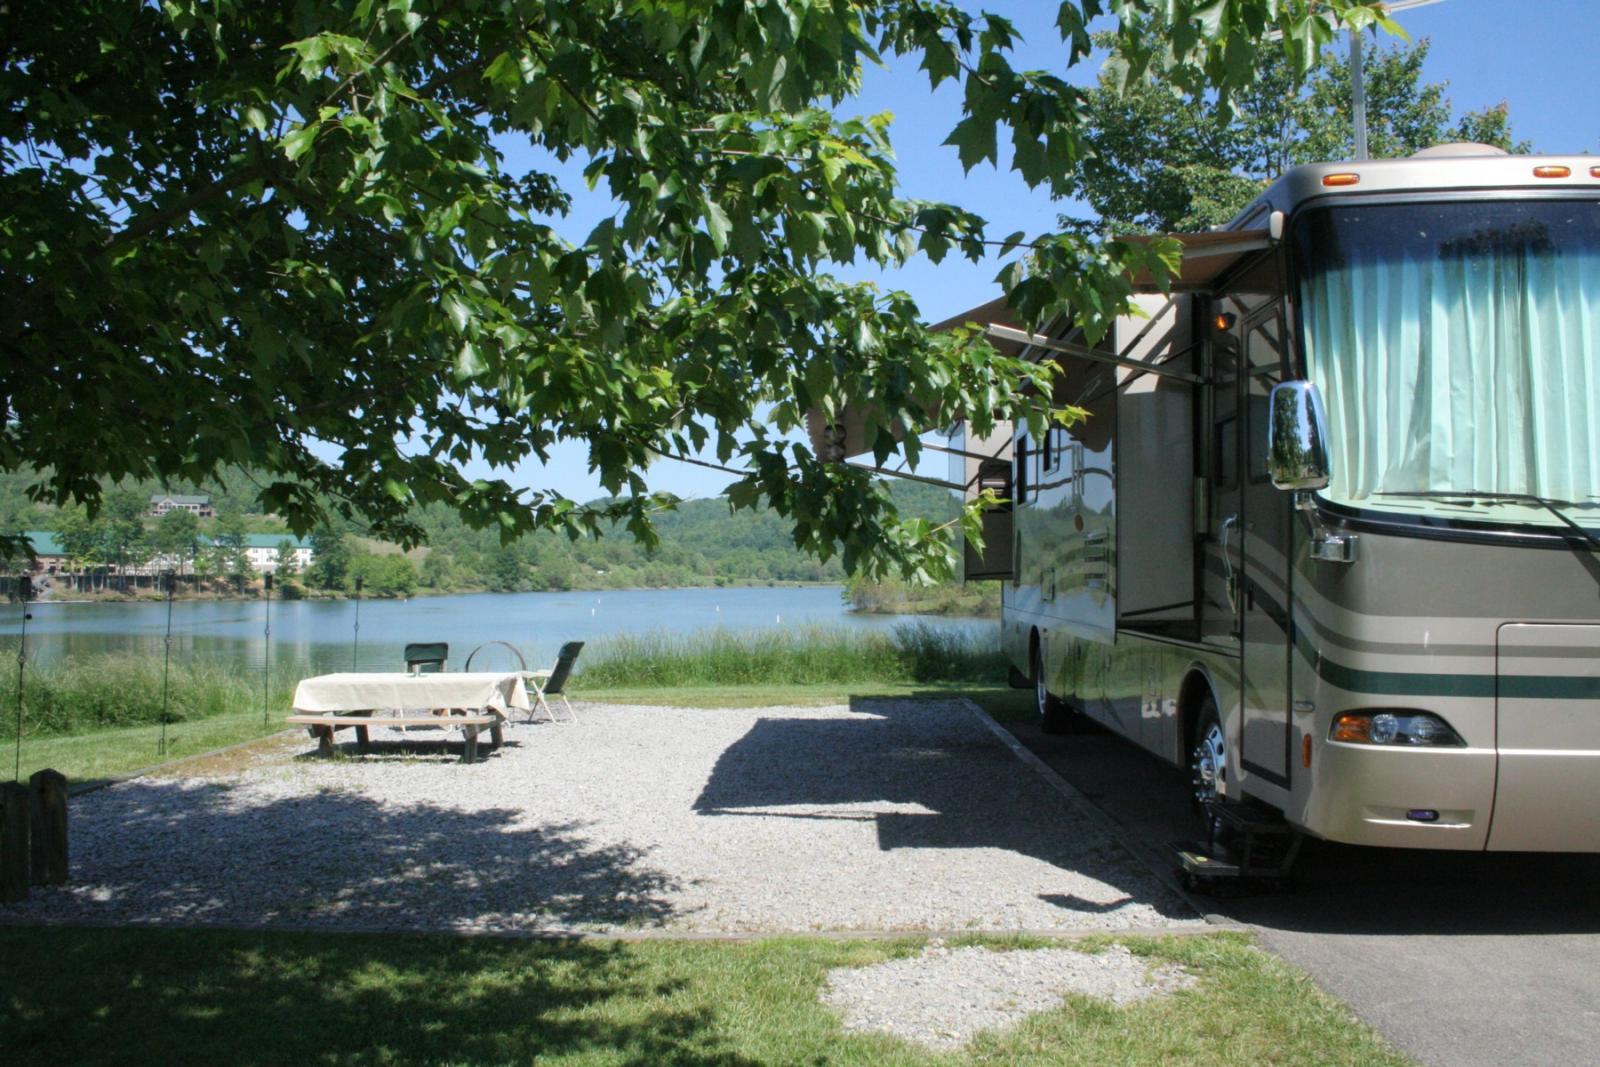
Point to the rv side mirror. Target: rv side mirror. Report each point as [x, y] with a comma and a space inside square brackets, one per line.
[1297, 451]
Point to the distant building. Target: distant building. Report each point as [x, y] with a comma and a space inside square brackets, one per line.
[161, 503]
[262, 551]
[49, 556]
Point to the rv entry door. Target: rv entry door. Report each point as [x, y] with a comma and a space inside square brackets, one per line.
[1265, 541]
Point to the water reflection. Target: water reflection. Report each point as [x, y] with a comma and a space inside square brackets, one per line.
[320, 635]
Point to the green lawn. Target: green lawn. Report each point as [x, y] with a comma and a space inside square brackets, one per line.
[119, 750]
[194, 996]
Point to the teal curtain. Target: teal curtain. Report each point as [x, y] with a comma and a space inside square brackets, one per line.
[1457, 347]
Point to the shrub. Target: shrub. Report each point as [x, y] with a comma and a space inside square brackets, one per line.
[807, 655]
[81, 694]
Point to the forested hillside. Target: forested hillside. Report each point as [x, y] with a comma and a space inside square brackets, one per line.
[703, 542]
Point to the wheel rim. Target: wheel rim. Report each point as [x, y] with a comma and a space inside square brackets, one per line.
[1041, 697]
[1209, 763]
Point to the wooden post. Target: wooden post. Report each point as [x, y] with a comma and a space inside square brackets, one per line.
[13, 842]
[47, 816]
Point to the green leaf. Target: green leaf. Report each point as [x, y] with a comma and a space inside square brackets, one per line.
[469, 362]
[974, 141]
[297, 143]
[717, 226]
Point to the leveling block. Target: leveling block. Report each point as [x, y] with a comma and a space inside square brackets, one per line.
[1248, 844]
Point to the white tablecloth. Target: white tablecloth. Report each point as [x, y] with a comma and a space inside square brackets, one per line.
[498, 691]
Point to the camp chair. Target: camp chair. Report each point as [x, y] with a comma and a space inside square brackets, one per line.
[552, 682]
[426, 657]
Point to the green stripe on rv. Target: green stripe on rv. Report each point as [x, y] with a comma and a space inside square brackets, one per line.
[1525, 686]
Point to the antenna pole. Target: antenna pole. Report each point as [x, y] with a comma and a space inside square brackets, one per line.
[167, 580]
[1358, 94]
[266, 656]
[355, 640]
[25, 594]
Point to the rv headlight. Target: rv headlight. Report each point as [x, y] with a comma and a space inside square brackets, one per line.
[1395, 729]
[1384, 728]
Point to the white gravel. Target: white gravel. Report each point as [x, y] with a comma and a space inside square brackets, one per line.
[890, 815]
[946, 996]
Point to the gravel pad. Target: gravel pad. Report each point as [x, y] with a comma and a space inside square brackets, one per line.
[945, 996]
[887, 815]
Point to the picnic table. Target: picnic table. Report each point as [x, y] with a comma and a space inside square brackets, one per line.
[468, 700]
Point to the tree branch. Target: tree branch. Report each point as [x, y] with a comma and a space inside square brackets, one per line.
[160, 220]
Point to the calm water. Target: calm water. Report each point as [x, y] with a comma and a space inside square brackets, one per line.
[321, 635]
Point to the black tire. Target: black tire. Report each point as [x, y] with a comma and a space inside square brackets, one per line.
[1055, 714]
[1208, 766]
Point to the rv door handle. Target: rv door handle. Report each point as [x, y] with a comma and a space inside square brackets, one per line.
[1225, 535]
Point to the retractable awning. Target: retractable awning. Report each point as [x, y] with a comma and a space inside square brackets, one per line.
[1206, 257]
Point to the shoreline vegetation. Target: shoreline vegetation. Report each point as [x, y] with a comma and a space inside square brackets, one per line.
[892, 597]
[866, 598]
[253, 591]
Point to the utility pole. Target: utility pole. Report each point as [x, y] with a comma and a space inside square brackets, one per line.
[1358, 86]
[1358, 94]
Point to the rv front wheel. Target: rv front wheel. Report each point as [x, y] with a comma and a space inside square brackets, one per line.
[1208, 760]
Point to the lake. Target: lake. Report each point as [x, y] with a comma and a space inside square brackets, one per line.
[321, 636]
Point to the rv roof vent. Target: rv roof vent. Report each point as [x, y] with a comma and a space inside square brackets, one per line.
[1459, 148]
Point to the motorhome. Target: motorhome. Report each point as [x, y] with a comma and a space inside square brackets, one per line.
[1329, 534]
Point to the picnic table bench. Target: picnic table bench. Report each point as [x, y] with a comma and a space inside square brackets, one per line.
[322, 728]
[466, 700]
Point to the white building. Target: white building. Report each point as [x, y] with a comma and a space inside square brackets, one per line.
[161, 503]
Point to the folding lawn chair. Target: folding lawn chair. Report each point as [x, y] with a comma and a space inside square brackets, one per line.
[552, 682]
[426, 657]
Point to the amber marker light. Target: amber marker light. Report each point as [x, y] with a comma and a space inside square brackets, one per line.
[1305, 751]
[1224, 321]
[1553, 172]
[1594, 172]
[1354, 728]
[1334, 180]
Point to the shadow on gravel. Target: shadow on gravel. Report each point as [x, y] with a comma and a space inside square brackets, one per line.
[1072, 903]
[187, 852]
[977, 794]
[426, 747]
[1339, 889]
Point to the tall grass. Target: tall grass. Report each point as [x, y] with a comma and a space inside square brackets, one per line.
[114, 689]
[806, 655]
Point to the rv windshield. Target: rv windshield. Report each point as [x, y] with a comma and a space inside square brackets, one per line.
[1457, 348]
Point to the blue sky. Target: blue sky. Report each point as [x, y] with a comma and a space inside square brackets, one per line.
[1536, 55]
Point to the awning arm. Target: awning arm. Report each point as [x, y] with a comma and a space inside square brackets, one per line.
[963, 452]
[1006, 333]
[907, 475]
[1247, 241]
